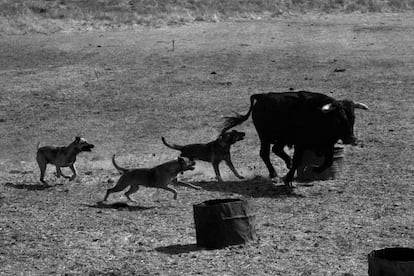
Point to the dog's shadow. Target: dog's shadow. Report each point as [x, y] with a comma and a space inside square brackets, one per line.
[178, 249]
[29, 187]
[119, 206]
[256, 187]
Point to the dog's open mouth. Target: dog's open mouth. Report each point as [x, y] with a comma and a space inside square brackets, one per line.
[190, 167]
[240, 137]
[88, 147]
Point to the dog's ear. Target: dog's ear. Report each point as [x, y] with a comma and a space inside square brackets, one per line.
[77, 139]
[225, 138]
[180, 160]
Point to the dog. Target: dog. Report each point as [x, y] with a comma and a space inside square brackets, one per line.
[156, 177]
[213, 152]
[61, 157]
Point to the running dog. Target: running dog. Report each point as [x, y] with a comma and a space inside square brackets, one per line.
[213, 152]
[157, 177]
[61, 157]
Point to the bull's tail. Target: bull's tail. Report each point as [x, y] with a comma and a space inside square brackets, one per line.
[171, 146]
[119, 169]
[239, 118]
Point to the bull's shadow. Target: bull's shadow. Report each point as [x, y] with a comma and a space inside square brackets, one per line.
[255, 187]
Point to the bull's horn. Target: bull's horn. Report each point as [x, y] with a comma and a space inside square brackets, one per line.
[360, 106]
[327, 108]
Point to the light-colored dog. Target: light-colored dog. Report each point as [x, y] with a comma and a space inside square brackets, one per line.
[156, 177]
[61, 157]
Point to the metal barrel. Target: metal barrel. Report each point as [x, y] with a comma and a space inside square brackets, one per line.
[223, 222]
[396, 261]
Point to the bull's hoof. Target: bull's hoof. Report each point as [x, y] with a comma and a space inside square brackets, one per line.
[288, 182]
[272, 175]
[276, 180]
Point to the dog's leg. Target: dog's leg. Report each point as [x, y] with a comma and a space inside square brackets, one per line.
[119, 186]
[59, 173]
[185, 184]
[231, 166]
[42, 166]
[73, 169]
[190, 185]
[171, 190]
[132, 189]
[217, 171]
[108, 192]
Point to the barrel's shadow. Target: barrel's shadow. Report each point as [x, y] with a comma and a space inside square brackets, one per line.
[179, 248]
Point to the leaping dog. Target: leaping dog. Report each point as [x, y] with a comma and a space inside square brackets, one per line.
[156, 177]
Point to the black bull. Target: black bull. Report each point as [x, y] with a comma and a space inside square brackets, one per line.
[305, 120]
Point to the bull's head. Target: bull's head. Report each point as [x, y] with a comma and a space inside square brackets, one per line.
[344, 118]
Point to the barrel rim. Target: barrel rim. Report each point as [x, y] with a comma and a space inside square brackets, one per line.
[219, 201]
[380, 254]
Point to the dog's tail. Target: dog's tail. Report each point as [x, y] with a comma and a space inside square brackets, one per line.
[230, 122]
[171, 146]
[120, 169]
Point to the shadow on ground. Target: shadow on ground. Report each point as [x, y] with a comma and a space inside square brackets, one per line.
[119, 206]
[179, 248]
[29, 187]
[256, 187]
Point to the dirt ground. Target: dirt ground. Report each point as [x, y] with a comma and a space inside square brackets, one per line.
[123, 90]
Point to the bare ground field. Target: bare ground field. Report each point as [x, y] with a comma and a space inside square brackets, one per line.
[123, 90]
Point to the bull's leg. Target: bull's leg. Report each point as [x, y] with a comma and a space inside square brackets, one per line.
[297, 159]
[279, 151]
[264, 154]
[327, 161]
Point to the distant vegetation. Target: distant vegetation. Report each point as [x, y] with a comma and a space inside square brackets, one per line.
[46, 16]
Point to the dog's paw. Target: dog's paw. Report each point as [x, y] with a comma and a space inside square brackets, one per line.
[44, 183]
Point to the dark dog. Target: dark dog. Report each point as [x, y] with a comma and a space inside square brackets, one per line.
[157, 177]
[213, 152]
[61, 157]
